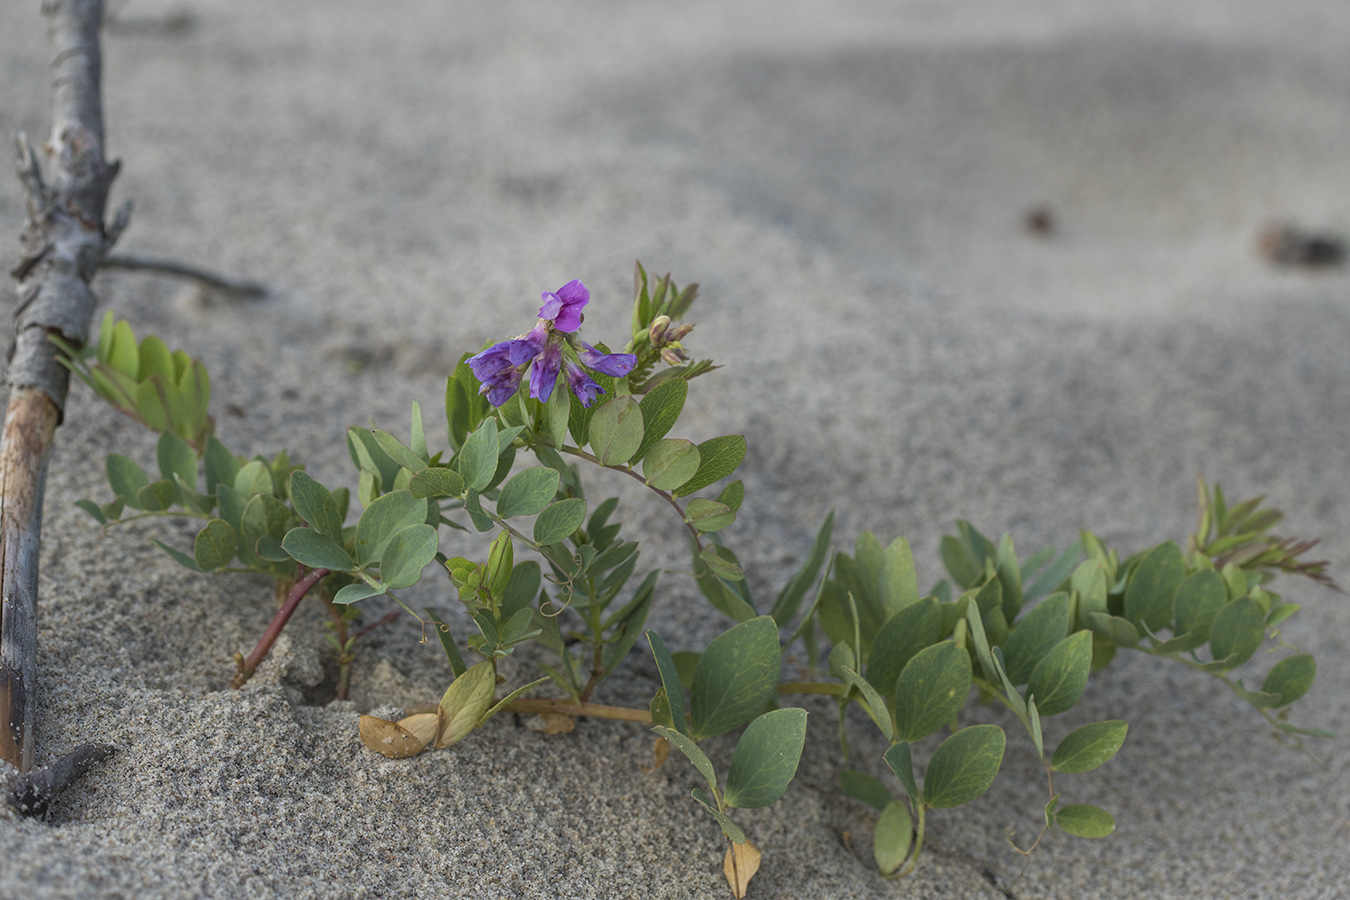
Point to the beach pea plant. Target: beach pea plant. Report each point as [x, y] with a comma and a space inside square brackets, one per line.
[527, 418]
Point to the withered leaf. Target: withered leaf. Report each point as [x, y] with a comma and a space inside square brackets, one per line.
[389, 738]
[426, 727]
[739, 866]
[660, 753]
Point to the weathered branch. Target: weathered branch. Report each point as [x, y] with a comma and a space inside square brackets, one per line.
[243, 289]
[63, 241]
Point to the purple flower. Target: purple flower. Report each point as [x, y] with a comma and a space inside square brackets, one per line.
[582, 385]
[544, 372]
[563, 309]
[499, 367]
[613, 364]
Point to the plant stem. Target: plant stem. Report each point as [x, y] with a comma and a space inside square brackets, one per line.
[297, 593]
[344, 649]
[569, 707]
[918, 840]
[665, 495]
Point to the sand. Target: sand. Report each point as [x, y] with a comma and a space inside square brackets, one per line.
[848, 182]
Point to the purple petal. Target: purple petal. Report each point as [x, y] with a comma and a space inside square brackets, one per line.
[524, 349]
[544, 372]
[552, 305]
[613, 364]
[501, 389]
[572, 296]
[582, 385]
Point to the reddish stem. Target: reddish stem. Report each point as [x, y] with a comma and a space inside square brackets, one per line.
[298, 590]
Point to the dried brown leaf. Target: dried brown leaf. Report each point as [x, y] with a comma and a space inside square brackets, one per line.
[739, 866]
[389, 738]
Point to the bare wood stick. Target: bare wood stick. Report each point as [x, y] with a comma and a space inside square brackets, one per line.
[243, 289]
[63, 241]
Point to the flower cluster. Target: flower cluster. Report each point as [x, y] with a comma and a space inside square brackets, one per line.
[545, 350]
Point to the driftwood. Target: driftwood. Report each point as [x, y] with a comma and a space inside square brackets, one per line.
[64, 240]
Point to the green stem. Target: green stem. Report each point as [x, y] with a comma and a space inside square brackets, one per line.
[569, 707]
[631, 473]
[918, 840]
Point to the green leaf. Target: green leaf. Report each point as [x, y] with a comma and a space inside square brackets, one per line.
[123, 354]
[670, 680]
[408, 552]
[718, 458]
[1085, 821]
[220, 465]
[915, 627]
[357, 591]
[214, 546]
[790, 598]
[125, 478]
[708, 515]
[1009, 576]
[691, 750]
[556, 413]
[558, 520]
[253, 478]
[1059, 678]
[182, 558]
[315, 505]
[629, 627]
[478, 457]
[93, 509]
[901, 762]
[522, 588]
[736, 677]
[1114, 629]
[865, 789]
[766, 759]
[733, 494]
[661, 407]
[893, 837]
[1148, 599]
[528, 492]
[382, 519]
[1055, 574]
[447, 644]
[308, 547]
[1032, 637]
[964, 766]
[466, 702]
[931, 688]
[1291, 678]
[1237, 633]
[1199, 600]
[1088, 747]
[474, 507]
[437, 481]
[175, 457]
[670, 463]
[978, 636]
[394, 448]
[877, 709]
[157, 495]
[616, 431]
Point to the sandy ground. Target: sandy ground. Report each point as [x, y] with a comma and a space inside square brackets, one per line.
[848, 182]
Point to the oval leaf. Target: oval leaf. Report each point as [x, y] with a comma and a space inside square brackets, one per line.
[466, 701]
[408, 552]
[736, 677]
[964, 766]
[616, 431]
[670, 463]
[708, 515]
[1059, 678]
[1085, 821]
[1037, 632]
[661, 408]
[1237, 633]
[1148, 599]
[915, 627]
[307, 546]
[893, 838]
[559, 520]
[353, 593]
[1291, 678]
[930, 690]
[437, 481]
[1201, 597]
[382, 519]
[1088, 747]
[528, 492]
[315, 505]
[718, 458]
[766, 759]
[215, 545]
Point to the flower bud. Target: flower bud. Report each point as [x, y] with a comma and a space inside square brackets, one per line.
[673, 356]
[658, 329]
[680, 333]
